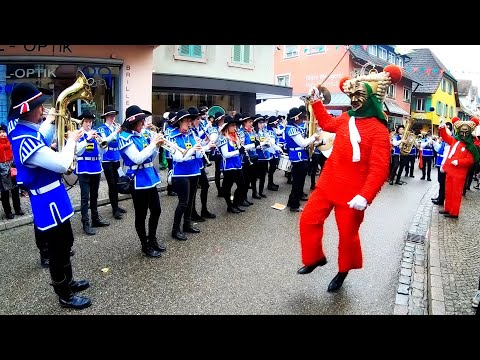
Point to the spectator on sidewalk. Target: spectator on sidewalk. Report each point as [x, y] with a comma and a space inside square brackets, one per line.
[8, 182]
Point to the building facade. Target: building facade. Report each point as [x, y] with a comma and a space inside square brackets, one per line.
[120, 75]
[437, 96]
[304, 66]
[231, 76]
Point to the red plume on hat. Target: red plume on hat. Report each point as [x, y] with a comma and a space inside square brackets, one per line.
[342, 80]
[395, 72]
[475, 120]
[455, 119]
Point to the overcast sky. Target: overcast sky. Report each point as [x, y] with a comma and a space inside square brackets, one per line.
[463, 61]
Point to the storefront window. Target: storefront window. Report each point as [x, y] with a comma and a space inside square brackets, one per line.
[173, 101]
[103, 81]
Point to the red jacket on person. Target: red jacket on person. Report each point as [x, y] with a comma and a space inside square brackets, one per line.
[6, 153]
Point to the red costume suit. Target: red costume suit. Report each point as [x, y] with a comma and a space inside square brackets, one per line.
[340, 181]
[455, 175]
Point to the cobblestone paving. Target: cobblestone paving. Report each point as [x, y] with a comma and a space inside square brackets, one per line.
[412, 295]
[459, 253]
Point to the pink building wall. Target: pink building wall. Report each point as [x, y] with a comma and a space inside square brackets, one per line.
[136, 72]
[309, 70]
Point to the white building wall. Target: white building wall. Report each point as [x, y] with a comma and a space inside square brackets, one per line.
[217, 64]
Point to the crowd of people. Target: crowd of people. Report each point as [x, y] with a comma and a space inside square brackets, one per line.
[245, 150]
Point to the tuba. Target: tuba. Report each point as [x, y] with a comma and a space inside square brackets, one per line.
[63, 121]
[312, 122]
[409, 136]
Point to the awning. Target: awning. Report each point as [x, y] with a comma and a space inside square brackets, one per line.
[338, 99]
[467, 111]
[393, 108]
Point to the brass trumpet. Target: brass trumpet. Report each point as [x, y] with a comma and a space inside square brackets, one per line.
[170, 146]
[101, 142]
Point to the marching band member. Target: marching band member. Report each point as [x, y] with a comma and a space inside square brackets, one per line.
[410, 165]
[463, 154]
[213, 134]
[138, 156]
[442, 149]
[248, 139]
[275, 150]
[186, 172]
[111, 158]
[231, 149]
[354, 173]
[200, 133]
[317, 159]
[168, 129]
[427, 156]
[398, 160]
[263, 154]
[89, 172]
[298, 155]
[40, 170]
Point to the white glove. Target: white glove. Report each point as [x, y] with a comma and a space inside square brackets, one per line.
[455, 162]
[441, 170]
[358, 203]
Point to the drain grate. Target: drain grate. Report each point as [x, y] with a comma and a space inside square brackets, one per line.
[419, 239]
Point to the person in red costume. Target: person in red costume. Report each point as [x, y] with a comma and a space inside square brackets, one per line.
[354, 173]
[463, 154]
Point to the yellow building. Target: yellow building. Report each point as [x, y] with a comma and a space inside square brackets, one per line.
[437, 96]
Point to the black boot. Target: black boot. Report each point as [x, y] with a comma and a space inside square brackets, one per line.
[75, 286]
[87, 229]
[196, 217]
[189, 228]
[156, 245]
[148, 249]
[307, 269]
[207, 214]
[67, 299]
[99, 222]
[177, 234]
[337, 281]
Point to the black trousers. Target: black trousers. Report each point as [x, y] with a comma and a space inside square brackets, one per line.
[315, 161]
[299, 173]
[395, 164]
[410, 165]
[204, 185]
[403, 163]
[186, 188]
[231, 177]
[170, 167]
[144, 200]
[249, 172]
[60, 242]
[15, 200]
[89, 184]
[41, 241]
[110, 169]
[272, 167]
[218, 159]
[427, 166]
[441, 186]
[469, 179]
[262, 169]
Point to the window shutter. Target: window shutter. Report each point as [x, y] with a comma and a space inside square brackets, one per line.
[237, 53]
[197, 51]
[184, 50]
[246, 54]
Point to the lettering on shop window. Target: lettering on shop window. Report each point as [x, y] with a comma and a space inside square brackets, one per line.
[127, 76]
[55, 48]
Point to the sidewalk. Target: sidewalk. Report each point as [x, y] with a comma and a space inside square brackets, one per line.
[440, 267]
[74, 194]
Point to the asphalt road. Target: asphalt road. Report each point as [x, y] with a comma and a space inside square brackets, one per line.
[239, 264]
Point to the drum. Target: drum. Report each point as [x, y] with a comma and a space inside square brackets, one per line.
[284, 163]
